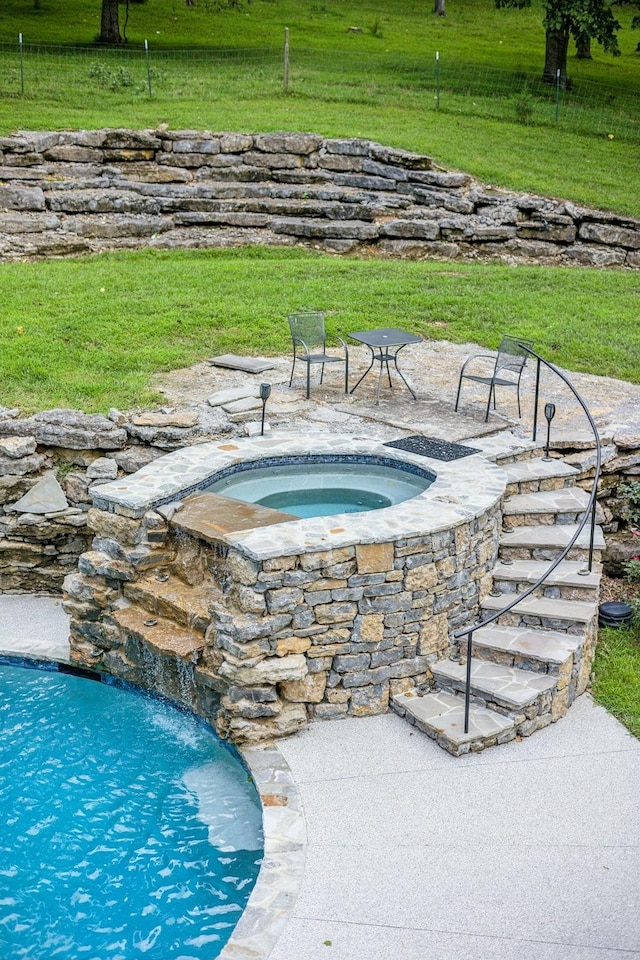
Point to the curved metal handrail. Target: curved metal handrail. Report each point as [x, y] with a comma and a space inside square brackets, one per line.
[590, 509]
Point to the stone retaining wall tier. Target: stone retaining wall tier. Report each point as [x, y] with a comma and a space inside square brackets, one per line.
[71, 193]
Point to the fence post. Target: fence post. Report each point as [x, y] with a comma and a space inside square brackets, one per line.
[21, 48]
[557, 93]
[285, 75]
[146, 54]
[437, 79]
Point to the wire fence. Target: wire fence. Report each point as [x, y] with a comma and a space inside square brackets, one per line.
[75, 74]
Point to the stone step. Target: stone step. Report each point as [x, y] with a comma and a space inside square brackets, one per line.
[161, 636]
[546, 611]
[508, 687]
[173, 598]
[441, 716]
[546, 542]
[504, 447]
[544, 651]
[547, 507]
[569, 580]
[535, 475]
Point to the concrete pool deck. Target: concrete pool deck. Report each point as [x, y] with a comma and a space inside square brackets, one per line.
[532, 851]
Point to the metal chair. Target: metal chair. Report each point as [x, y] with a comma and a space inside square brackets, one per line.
[512, 357]
[310, 345]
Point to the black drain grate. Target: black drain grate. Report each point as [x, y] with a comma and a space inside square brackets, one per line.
[431, 447]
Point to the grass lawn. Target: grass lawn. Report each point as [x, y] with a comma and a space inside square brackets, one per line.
[377, 83]
[89, 333]
[616, 669]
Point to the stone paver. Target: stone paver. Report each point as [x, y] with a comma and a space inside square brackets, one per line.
[441, 715]
[508, 685]
[556, 536]
[543, 646]
[565, 500]
[576, 610]
[568, 573]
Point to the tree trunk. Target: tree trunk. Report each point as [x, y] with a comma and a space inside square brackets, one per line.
[583, 46]
[555, 56]
[109, 25]
[439, 8]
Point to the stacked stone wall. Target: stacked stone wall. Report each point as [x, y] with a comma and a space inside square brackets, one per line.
[320, 634]
[81, 192]
[37, 550]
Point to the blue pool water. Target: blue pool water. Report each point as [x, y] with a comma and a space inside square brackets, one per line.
[322, 485]
[129, 829]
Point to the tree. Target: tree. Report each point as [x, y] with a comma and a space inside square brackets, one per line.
[587, 19]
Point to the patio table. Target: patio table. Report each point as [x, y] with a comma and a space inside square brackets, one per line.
[385, 344]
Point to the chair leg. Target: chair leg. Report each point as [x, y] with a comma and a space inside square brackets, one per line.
[346, 375]
[518, 394]
[308, 380]
[293, 365]
[455, 409]
[321, 372]
[491, 393]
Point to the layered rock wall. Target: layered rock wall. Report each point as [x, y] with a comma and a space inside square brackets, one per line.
[37, 550]
[87, 191]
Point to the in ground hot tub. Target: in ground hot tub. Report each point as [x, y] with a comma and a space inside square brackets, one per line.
[318, 486]
[270, 619]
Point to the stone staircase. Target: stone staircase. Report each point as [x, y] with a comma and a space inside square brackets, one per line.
[528, 666]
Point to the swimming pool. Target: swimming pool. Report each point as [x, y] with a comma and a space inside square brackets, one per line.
[318, 486]
[130, 828]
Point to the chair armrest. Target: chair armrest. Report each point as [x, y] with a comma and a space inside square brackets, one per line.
[477, 356]
[304, 345]
[343, 342]
[344, 346]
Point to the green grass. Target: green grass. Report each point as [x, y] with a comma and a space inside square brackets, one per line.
[95, 330]
[370, 85]
[616, 668]
[474, 30]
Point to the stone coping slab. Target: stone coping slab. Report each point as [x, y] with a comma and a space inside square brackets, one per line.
[462, 490]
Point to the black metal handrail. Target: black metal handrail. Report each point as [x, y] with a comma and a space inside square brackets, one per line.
[590, 510]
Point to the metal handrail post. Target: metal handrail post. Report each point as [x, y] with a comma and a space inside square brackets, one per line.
[535, 407]
[592, 535]
[467, 689]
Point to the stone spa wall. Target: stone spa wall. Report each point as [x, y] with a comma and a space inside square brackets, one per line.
[83, 192]
[261, 629]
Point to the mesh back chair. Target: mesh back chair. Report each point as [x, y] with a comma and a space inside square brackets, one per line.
[310, 345]
[511, 360]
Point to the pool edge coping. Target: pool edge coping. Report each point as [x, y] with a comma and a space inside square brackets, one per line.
[285, 845]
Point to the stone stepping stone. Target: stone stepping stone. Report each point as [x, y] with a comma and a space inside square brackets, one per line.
[572, 500]
[528, 645]
[568, 573]
[242, 405]
[537, 469]
[507, 686]
[247, 364]
[554, 536]
[222, 397]
[46, 496]
[441, 716]
[547, 608]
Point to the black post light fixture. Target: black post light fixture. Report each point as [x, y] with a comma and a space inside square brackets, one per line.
[265, 393]
[549, 412]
